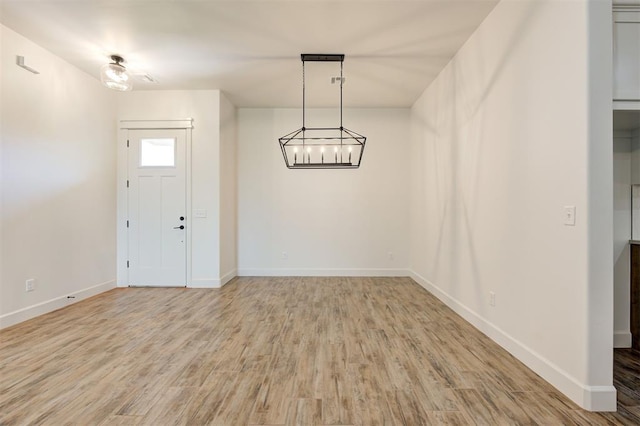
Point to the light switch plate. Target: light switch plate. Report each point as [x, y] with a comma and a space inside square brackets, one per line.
[30, 284]
[199, 213]
[570, 215]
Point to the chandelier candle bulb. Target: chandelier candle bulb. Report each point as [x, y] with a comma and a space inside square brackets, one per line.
[335, 151]
[309, 155]
[322, 153]
[350, 149]
[295, 155]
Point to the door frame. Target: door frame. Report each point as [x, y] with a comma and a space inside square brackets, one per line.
[122, 203]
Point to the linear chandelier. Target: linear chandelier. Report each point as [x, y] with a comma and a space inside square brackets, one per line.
[322, 147]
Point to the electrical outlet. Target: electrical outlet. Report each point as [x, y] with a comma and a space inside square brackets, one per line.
[284, 255]
[570, 215]
[30, 284]
[492, 298]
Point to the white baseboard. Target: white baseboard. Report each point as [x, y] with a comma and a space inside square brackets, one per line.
[622, 339]
[303, 272]
[598, 398]
[213, 282]
[228, 277]
[593, 398]
[205, 283]
[45, 307]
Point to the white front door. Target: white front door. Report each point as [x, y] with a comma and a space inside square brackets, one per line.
[157, 222]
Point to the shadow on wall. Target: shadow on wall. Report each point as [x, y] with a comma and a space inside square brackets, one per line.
[452, 136]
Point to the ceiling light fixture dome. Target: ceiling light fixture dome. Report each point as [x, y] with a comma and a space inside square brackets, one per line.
[115, 76]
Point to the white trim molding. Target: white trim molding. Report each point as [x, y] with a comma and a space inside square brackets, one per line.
[24, 314]
[593, 398]
[329, 272]
[626, 105]
[213, 282]
[184, 123]
[622, 339]
[204, 283]
[598, 398]
[228, 277]
[626, 5]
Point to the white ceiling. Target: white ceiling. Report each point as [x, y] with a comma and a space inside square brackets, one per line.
[251, 49]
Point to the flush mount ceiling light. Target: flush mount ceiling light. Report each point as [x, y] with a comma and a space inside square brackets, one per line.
[322, 147]
[115, 75]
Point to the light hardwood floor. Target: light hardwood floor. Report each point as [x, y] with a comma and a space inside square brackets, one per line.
[268, 351]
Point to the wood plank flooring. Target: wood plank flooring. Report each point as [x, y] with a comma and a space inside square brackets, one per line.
[626, 379]
[270, 351]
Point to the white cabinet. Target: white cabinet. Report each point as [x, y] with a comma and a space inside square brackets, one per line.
[626, 55]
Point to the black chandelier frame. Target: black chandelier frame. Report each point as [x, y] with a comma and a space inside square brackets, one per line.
[342, 140]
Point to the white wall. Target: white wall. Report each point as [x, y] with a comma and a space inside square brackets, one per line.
[621, 237]
[58, 182]
[635, 157]
[626, 49]
[2, 119]
[204, 107]
[328, 222]
[514, 129]
[228, 190]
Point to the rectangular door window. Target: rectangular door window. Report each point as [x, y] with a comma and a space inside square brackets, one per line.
[158, 152]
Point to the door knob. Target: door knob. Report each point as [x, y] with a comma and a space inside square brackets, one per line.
[181, 217]
[179, 227]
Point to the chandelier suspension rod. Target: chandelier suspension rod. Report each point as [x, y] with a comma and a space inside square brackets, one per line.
[303, 98]
[341, 80]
